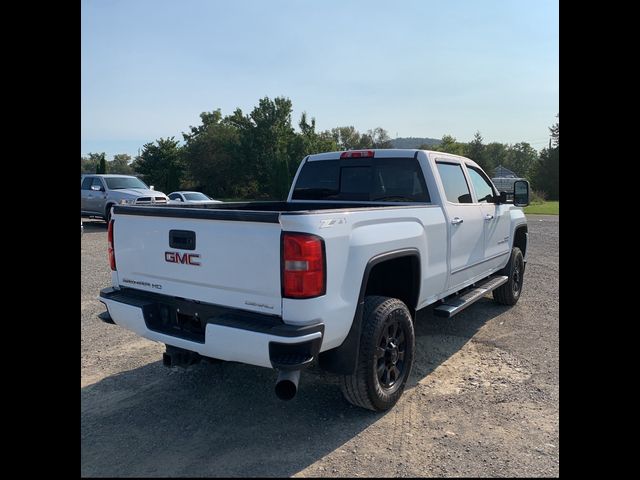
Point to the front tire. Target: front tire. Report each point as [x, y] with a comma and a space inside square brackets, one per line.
[387, 345]
[509, 293]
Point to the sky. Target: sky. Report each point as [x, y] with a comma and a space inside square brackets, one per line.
[417, 68]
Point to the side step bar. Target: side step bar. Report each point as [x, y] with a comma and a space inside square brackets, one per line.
[454, 305]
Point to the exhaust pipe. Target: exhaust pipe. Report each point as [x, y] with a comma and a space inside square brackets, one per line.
[287, 384]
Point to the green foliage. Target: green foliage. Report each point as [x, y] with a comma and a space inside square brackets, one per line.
[348, 138]
[449, 144]
[212, 157]
[538, 196]
[521, 159]
[100, 161]
[494, 154]
[121, 164]
[256, 155]
[555, 133]
[477, 151]
[89, 164]
[546, 172]
[161, 164]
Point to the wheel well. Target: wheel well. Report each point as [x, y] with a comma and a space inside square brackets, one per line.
[392, 274]
[397, 278]
[520, 239]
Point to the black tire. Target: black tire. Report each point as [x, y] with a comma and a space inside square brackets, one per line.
[509, 293]
[107, 213]
[387, 345]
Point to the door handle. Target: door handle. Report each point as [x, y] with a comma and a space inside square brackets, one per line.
[488, 216]
[456, 220]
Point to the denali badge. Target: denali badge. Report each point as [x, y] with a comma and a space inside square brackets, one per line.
[186, 258]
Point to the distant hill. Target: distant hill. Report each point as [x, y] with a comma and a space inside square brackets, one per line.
[413, 142]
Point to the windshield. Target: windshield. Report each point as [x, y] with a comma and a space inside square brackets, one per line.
[385, 179]
[118, 183]
[196, 196]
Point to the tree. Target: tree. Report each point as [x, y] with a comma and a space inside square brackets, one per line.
[379, 138]
[273, 140]
[450, 145]
[213, 158]
[521, 159]
[161, 164]
[308, 142]
[495, 154]
[547, 171]
[120, 164]
[555, 133]
[475, 150]
[100, 161]
[88, 164]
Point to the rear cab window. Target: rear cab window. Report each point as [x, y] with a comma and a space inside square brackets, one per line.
[362, 180]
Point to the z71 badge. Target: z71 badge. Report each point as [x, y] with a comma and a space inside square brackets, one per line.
[330, 222]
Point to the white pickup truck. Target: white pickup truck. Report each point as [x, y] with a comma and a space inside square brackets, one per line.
[332, 276]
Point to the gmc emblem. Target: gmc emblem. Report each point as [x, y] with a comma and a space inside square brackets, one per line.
[185, 258]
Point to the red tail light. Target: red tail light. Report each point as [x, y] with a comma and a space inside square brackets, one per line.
[112, 253]
[358, 154]
[303, 266]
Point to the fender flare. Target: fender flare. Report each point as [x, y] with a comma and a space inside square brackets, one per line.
[344, 358]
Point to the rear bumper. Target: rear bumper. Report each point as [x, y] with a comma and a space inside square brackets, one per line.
[214, 331]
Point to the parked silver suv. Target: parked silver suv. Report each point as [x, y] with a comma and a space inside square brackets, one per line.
[98, 193]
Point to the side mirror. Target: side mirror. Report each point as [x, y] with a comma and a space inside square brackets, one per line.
[97, 188]
[151, 187]
[501, 198]
[521, 193]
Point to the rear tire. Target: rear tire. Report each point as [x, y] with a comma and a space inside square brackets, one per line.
[387, 345]
[509, 293]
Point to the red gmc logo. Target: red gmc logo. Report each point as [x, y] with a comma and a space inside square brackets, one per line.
[185, 258]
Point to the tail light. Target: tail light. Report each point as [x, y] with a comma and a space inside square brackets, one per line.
[112, 253]
[303, 266]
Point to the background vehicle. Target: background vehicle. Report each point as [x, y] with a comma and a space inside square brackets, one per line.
[335, 274]
[98, 193]
[190, 197]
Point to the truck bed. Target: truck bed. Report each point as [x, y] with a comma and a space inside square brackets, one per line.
[267, 212]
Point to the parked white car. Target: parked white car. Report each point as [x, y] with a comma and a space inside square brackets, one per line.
[190, 198]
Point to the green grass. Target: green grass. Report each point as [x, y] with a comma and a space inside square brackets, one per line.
[544, 208]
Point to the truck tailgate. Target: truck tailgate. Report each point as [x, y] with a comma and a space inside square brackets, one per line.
[233, 263]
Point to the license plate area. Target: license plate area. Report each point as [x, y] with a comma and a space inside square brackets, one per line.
[175, 321]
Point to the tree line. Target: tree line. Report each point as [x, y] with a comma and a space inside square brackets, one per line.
[256, 155]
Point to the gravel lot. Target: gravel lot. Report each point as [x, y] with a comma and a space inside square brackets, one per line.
[482, 399]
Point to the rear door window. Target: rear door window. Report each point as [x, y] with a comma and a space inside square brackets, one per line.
[454, 182]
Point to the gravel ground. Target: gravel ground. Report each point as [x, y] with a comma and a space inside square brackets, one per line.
[482, 399]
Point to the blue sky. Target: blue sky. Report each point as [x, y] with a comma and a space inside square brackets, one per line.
[421, 68]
